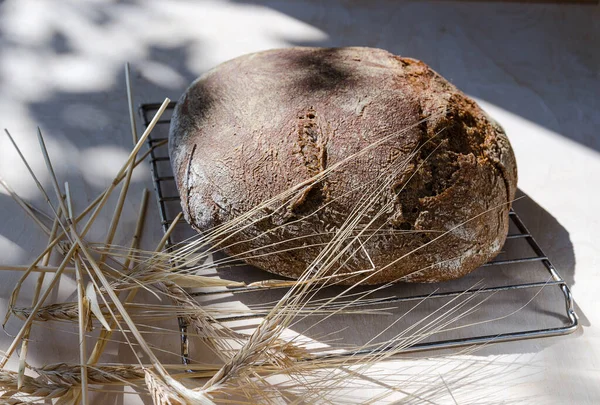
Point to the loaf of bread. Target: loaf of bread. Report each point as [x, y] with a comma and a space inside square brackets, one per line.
[390, 167]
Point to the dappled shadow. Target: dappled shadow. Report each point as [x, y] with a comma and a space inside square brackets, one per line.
[62, 68]
[323, 73]
[544, 69]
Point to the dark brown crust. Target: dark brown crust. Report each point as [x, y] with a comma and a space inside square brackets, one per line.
[258, 125]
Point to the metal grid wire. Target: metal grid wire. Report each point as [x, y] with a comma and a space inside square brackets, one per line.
[521, 275]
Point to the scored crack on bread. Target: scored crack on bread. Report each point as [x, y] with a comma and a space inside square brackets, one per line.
[427, 156]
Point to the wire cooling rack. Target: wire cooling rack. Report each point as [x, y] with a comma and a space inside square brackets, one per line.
[520, 293]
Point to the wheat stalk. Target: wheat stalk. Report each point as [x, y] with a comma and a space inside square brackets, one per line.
[54, 312]
[70, 375]
[29, 386]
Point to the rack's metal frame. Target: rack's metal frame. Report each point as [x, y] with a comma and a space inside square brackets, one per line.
[555, 279]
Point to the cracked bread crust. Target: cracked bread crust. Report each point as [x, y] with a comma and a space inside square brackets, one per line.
[257, 125]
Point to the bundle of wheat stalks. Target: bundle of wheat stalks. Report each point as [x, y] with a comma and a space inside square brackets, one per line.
[256, 367]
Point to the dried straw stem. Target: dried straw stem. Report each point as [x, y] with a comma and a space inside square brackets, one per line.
[36, 295]
[82, 306]
[118, 209]
[163, 241]
[130, 103]
[105, 334]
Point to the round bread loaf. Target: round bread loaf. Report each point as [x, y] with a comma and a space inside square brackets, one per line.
[407, 175]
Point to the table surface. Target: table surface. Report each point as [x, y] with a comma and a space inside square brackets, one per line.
[533, 67]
